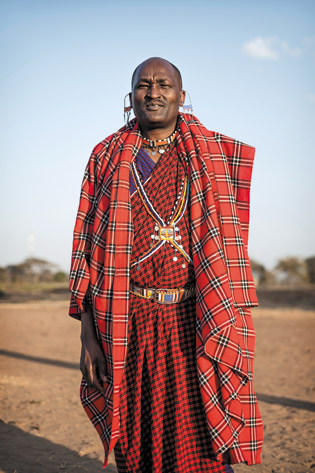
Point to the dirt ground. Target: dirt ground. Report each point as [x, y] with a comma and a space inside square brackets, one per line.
[44, 429]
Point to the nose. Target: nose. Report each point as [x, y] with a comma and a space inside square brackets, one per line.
[153, 91]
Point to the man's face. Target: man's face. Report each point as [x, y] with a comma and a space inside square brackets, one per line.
[156, 95]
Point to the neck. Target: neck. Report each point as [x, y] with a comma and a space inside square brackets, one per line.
[158, 133]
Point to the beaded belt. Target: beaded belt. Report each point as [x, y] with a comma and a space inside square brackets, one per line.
[162, 295]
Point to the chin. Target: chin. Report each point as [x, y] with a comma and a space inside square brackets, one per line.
[152, 120]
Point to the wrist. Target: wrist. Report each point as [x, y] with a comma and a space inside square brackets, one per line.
[87, 326]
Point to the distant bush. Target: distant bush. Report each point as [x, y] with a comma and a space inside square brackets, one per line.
[292, 270]
[261, 275]
[310, 264]
[60, 276]
[288, 271]
[31, 271]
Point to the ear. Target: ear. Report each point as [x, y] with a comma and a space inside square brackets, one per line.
[130, 98]
[182, 95]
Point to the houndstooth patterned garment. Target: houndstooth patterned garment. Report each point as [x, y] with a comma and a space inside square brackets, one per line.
[163, 427]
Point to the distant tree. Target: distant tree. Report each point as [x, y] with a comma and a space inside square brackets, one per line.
[37, 269]
[60, 276]
[258, 270]
[30, 270]
[310, 265]
[269, 278]
[292, 270]
[262, 276]
[14, 273]
[3, 275]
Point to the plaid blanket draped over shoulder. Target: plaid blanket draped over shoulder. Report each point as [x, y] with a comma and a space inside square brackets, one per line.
[219, 170]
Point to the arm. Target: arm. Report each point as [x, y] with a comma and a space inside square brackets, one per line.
[92, 362]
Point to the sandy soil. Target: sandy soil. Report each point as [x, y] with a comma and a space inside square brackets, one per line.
[44, 429]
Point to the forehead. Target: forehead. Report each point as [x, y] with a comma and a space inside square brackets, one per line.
[154, 70]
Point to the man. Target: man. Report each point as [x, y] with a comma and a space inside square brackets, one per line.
[161, 281]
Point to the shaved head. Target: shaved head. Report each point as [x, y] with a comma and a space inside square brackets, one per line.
[158, 59]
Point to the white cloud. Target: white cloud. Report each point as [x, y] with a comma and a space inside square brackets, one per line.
[261, 48]
[270, 48]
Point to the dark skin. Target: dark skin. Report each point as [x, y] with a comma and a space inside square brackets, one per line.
[92, 361]
[156, 97]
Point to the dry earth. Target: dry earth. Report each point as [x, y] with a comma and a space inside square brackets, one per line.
[43, 428]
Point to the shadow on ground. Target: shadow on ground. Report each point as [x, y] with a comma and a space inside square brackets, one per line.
[22, 452]
[285, 401]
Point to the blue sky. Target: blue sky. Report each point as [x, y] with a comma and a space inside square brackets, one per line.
[66, 66]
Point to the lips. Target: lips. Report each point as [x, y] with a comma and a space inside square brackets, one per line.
[153, 106]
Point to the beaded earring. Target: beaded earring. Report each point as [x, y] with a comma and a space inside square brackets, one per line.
[127, 108]
[187, 108]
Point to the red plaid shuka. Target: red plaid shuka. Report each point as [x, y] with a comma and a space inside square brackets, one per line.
[219, 170]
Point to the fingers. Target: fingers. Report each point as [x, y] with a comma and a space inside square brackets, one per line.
[93, 379]
[96, 382]
[93, 369]
[103, 372]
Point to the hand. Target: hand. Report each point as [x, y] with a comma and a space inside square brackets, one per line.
[92, 361]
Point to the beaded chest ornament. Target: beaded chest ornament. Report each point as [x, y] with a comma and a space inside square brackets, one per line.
[164, 232]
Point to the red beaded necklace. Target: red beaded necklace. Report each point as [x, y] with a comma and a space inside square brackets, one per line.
[160, 145]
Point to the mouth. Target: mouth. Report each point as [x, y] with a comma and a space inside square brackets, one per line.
[153, 106]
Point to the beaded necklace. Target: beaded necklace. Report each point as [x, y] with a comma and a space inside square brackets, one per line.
[160, 145]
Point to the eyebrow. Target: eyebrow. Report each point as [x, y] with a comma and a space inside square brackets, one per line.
[166, 79]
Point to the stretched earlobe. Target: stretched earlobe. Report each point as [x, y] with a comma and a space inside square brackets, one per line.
[127, 107]
[182, 98]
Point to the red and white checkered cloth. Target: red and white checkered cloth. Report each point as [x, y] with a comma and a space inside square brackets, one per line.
[219, 170]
